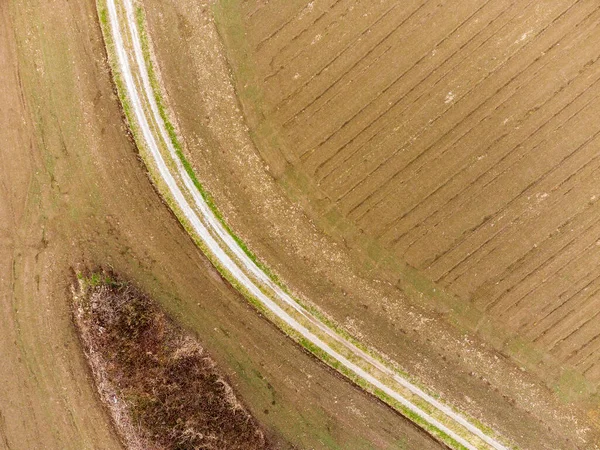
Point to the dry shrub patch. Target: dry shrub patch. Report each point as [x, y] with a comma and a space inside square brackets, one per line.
[163, 390]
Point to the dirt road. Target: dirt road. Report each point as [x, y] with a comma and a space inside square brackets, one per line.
[231, 258]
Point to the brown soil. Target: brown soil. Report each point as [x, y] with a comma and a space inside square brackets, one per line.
[305, 71]
[161, 387]
[74, 194]
[461, 139]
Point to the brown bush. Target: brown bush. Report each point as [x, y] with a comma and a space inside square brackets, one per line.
[162, 389]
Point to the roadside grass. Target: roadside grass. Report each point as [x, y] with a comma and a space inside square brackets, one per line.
[175, 141]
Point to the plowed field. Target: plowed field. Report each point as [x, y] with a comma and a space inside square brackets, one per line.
[462, 137]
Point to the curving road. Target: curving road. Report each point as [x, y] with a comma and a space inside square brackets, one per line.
[124, 43]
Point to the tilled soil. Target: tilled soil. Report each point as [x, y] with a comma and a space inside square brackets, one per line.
[460, 137]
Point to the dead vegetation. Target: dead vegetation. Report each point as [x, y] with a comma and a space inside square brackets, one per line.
[163, 390]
